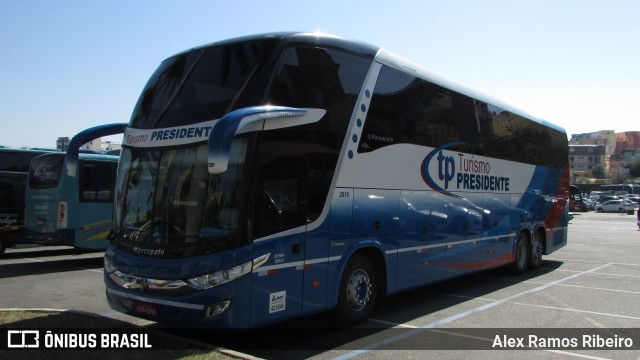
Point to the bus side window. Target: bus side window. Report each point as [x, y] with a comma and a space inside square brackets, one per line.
[406, 109]
[96, 182]
[281, 193]
[8, 194]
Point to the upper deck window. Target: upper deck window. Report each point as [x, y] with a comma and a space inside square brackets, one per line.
[198, 85]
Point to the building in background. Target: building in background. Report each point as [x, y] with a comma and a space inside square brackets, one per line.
[63, 143]
[613, 151]
[583, 159]
[97, 144]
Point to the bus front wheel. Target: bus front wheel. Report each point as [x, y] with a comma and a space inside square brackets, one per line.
[358, 291]
[521, 261]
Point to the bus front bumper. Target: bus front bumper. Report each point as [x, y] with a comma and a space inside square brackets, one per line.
[213, 308]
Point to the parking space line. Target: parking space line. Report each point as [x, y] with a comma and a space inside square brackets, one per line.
[588, 261]
[49, 280]
[461, 315]
[578, 311]
[396, 325]
[588, 287]
[584, 356]
[453, 333]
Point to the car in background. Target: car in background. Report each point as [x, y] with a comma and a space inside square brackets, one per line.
[634, 198]
[591, 204]
[618, 205]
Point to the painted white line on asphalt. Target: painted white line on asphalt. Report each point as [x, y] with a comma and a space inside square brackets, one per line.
[50, 280]
[491, 341]
[578, 311]
[586, 261]
[588, 287]
[461, 315]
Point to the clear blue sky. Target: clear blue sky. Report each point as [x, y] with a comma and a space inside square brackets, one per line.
[68, 65]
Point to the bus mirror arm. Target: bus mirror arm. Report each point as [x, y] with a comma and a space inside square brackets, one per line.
[272, 117]
[84, 137]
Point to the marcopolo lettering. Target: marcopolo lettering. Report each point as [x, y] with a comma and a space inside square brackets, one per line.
[146, 251]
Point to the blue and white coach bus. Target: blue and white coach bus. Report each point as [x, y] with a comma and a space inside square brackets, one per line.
[269, 177]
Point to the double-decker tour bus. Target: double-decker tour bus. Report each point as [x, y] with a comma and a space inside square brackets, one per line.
[273, 176]
[69, 196]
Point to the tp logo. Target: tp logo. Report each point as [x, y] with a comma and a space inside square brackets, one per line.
[446, 169]
[23, 339]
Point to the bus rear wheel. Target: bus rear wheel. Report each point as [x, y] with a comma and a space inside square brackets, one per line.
[358, 291]
[535, 254]
[521, 261]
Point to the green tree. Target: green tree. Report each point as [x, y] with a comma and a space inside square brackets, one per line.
[635, 169]
[598, 172]
[615, 174]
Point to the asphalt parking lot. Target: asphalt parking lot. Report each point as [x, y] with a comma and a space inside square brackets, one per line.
[589, 287]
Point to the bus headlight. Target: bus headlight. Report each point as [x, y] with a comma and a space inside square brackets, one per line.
[208, 281]
[108, 266]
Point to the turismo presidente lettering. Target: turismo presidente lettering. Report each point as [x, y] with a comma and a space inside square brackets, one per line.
[142, 137]
[465, 171]
[170, 134]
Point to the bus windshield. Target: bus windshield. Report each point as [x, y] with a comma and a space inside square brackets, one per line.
[45, 171]
[168, 200]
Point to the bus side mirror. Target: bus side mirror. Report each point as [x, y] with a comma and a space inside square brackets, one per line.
[253, 118]
[84, 137]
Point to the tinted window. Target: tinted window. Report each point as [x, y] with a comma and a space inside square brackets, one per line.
[45, 171]
[17, 160]
[199, 85]
[319, 78]
[516, 138]
[296, 165]
[406, 109]
[97, 181]
[8, 195]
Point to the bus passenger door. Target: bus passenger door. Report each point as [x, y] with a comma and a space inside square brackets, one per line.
[279, 227]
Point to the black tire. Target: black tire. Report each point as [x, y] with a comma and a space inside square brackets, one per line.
[600, 210]
[358, 291]
[521, 261]
[621, 210]
[535, 253]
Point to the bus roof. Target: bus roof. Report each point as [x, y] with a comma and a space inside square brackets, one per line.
[290, 37]
[382, 56]
[87, 156]
[28, 150]
[104, 157]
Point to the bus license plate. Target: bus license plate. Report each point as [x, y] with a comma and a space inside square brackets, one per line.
[145, 308]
